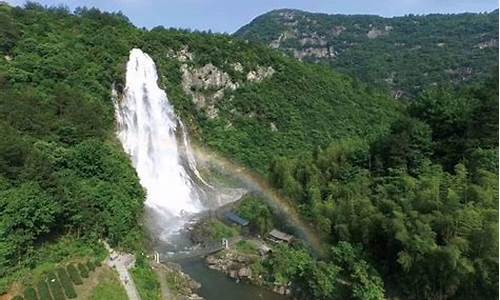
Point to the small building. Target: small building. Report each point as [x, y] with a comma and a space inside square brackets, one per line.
[279, 237]
[235, 219]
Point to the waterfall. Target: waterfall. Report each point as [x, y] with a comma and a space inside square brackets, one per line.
[147, 127]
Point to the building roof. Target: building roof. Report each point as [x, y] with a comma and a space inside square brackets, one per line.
[281, 235]
[235, 219]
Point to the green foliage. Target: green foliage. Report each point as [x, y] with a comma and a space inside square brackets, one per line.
[61, 170]
[66, 283]
[406, 148]
[43, 291]
[246, 247]
[177, 283]
[257, 212]
[146, 279]
[28, 213]
[109, 289]
[74, 275]
[97, 263]
[344, 275]
[422, 201]
[460, 121]
[9, 30]
[51, 255]
[218, 230]
[55, 286]
[30, 293]
[364, 280]
[17, 297]
[288, 263]
[403, 54]
[90, 266]
[322, 281]
[84, 272]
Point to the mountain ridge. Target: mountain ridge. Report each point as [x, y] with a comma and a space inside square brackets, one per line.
[404, 54]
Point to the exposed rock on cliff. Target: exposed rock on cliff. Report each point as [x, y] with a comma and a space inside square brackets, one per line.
[206, 85]
[260, 74]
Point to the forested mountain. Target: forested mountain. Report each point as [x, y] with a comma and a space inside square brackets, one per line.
[404, 195]
[402, 54]
[62, 171]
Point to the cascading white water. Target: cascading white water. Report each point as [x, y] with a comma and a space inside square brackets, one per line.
[147, 128]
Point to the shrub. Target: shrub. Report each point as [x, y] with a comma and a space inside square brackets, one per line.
[97, 263]
[90, 266]
[146, 280]
[74, 275]
[30, 293]
[55, 286]
[66, 283]
[83, 270]
[43, 291]
[18, 298]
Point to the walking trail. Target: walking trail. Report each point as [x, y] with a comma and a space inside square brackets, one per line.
[122, 262]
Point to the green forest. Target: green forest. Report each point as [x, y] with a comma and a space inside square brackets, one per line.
[403, 193]
[62, 171]
[421, 202]
[404, 55]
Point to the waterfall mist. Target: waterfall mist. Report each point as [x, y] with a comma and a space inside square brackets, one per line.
[148, 130]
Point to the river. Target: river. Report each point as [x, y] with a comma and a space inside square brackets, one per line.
[216, 285]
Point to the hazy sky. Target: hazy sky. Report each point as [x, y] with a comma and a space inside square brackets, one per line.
[229, 15]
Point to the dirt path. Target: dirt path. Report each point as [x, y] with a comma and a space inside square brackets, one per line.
[122, 262]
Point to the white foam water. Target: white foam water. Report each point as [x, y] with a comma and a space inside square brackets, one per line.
[147, 127]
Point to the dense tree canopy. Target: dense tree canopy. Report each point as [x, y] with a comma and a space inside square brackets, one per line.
[422, 201]
[61, 170]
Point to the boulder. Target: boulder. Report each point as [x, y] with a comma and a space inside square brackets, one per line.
[233, 274]
[245, 272]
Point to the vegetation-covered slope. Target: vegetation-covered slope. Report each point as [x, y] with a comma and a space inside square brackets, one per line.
[422, 202]
[406, 197]
[253, 104]
[62, 172]
[403, 54]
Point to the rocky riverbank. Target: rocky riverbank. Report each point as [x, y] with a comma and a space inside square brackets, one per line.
[243, 267]
[175, 284]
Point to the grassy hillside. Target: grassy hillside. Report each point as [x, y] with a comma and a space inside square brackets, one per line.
[62, 172]
[402, 54]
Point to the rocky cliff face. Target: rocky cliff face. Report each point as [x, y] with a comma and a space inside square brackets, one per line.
[208, 84]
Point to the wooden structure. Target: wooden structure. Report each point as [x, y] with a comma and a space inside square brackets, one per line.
[279, 237]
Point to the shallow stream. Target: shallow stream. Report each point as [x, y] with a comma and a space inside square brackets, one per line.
[218, 286]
